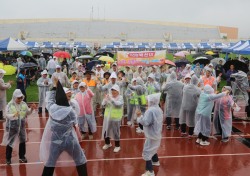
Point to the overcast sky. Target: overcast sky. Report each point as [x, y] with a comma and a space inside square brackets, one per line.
[214, 12]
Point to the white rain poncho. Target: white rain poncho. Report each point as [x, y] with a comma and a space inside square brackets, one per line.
[86, 113]
[111, 125]
[189, 103]
[59, 144]
[173, 90]
[43, 88]
[3, 87]
[132, 103]
[240, 87]
[62, 77]
[152, 122]
[152, 87]
[204, 110]
[15, 126]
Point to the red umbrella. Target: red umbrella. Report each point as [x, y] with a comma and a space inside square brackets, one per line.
[169, 62]
[62, 54]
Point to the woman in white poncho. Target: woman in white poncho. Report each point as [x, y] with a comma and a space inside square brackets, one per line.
[59, 143]
[152, 124]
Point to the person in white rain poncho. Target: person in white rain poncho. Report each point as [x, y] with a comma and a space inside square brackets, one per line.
[51, 66]
[152, 85]
[74, 88]
[42, 62]
[16, 113]
[203, 114]
[62, 77]
[112, 118]
[59, 143]
[140, 73]
[3, 87]
[173, 90]
[84, 99]
[43, 84]
[152, 122]
[191, 94]
[223, 115]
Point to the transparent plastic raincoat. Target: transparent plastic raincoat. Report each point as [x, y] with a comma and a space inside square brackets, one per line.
[152, 125]
[43, 88]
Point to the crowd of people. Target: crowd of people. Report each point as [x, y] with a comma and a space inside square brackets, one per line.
[143, 95]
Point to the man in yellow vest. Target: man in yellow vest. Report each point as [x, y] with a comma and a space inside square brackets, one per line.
[112, 118]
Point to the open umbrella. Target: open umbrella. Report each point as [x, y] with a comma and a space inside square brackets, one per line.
[201, 60]
[106, 59]
[62, 54]
[85, 57]
[185, 52]
[181, 62]
[26, 53]
[217, 60]
[197, 55]
[180, 54]
[169, 62]
[91, 64]
[238, 65]
[28, 65]
[105, 53]
[209, 53]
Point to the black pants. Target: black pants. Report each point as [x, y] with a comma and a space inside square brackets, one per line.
[1, 115]
[81, 170]
[90, 133]
[203, 138]
[149, 166]
[169, 121]
[107, 141]
[190, 129]
[22, 151]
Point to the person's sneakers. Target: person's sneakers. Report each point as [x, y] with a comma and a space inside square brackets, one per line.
[156, 163]
[8, 161]
[204, 143]
[91, 137]
[83, 136]
[177, 128]
[225, 140]
[129, 123]
[117, 149]
[139, 131]
[106, 146]
[147, 173]
[23, 160]
[183, 134]
[198, 141]
[168, 127]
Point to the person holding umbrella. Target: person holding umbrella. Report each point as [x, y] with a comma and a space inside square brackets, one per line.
[3, 87]
[21, 83]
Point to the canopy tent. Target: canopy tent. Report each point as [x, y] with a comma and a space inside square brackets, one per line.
[145, 43]
[10, 44]
[64, 45]
[187, 46]
[82, 46]
[110, 47]
[241, 47]
[131, 43]
[204, 45]
[173, 46]
[231, 44]
[142, 46]
[230, 49]
[219, 45]
[31, 44]
[125, 46]
[48, 45]
[116, 43]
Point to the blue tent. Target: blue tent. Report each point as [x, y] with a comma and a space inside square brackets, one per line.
[31, 44]
[188, 46]
[10, 44]
[204, 46]
[241, 47]
[173, 46]
[230, 49]
[48, 45]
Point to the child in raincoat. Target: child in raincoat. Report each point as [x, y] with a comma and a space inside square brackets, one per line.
[152, 122]
[223, 115]
[203, 114]
[112, 118]
[16, 113]
[84, 99]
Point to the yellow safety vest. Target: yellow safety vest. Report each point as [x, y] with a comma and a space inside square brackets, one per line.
[113, 112]
[22, 112]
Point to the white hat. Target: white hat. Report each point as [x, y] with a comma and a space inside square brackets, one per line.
[58, 66]
[77, 58]
[66, 90]
[211, 64]
[50, 57]
[115, 87]
[17, 93]
[155, 67]
[192, 72]
[98, 65]
[2, 71]
[151, 75]
[41, 55]
[82, 84]
[75, 81]
[114, 64]
[188, 65]
[44, 72]
[187, 76]
[113, 75]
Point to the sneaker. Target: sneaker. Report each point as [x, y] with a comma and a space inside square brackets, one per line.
[156, 163]
[139, 131]
[225, 140]
[138, 128]
[204, 143]
[177, 128]
[147, 173]
[117, 149]
[106, 146]
[198, 141]
[83, 136]
[183, 134]
[90, 137]
[23, 160]
[8, 161]
[129, 123]
[168, 127]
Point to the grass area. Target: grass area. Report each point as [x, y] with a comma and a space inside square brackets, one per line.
[31, 91]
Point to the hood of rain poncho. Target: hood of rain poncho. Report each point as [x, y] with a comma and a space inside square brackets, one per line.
[208, 89]
[194, 80]
[173, 69]
[2, 72]
[153, 99]
[139, 81]
[134, 79]
[151, 75]
[82, 84]
[239, 76]
[61, 99]
[228, 88]
[17, 93]
[172, 77]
